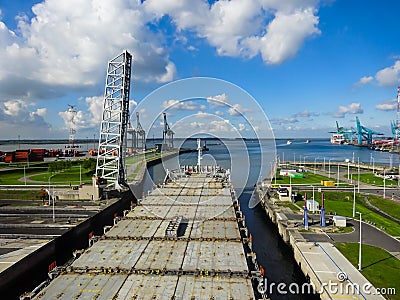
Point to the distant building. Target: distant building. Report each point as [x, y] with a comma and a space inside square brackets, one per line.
[312, 205]
[339, 221]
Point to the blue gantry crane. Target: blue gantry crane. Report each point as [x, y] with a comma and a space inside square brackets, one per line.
[364, 133]
[348, 133]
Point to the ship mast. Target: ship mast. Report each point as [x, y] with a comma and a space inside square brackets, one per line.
[199, 154]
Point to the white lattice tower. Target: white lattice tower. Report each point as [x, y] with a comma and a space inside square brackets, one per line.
[72, 128]
[113, 129]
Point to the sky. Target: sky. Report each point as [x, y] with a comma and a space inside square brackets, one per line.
[301, 65]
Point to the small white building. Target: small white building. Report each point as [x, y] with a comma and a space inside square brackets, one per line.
[312, 205]
[339, 221]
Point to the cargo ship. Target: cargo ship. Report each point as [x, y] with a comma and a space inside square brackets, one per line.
[186, 239]
[337, 139]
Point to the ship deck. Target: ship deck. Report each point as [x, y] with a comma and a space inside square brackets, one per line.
[200, 256]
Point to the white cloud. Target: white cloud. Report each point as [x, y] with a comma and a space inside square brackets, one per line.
[90, 115]
[364, 80]
[218, 100]
[273, 29]
[238, 110]
[387, 105]
[353, 108]
[180, 105]
[305, 114]
[63, 48]
[242, 127]
[284, 36]
[170, 73]
[389, 76]
[23, 114]
[41, 112]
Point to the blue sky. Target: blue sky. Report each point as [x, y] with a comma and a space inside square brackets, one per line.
[307, 63]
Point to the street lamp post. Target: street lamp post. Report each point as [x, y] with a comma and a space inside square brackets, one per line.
[315, 165]
[373, 165]
[359, 253]
[384, 182]
[358, 185]
[54, 216]
[348, 171]
[338, 170]
[329, 168]
[354, 201]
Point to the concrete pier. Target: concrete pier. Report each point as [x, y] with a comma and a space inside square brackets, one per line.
[330, 274]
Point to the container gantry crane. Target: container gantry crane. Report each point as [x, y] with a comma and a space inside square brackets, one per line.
[168, 134]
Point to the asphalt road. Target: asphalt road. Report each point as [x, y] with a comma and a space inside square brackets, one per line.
[370, 235]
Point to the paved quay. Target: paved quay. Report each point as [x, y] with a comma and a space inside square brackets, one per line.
[328, 270]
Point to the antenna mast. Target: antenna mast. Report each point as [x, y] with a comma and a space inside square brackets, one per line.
[72, 130]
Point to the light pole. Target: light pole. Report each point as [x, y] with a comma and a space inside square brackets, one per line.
[358, 185]
[338, 170]
[348, 171]
[324, 165]
[329, 168]
[54, 216]
[354, 201]
[384, 182]
[373, 165]
[359, 253]
[315, 165]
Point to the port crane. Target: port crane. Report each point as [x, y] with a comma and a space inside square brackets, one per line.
[140, 134]
[348, 134]
[364, 133]
[395, 125]
[132, 132]
[168, 134]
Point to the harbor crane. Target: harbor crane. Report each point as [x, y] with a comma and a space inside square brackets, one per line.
[365, 133]
[396, 124]
[168, 134]
[140, 134]
[348, 134]
[132, 133]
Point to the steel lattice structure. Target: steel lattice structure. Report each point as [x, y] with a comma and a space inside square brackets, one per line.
[114, 124]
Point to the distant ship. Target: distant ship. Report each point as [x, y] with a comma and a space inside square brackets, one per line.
[337, 139]
[308, 141]
[288, 142]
